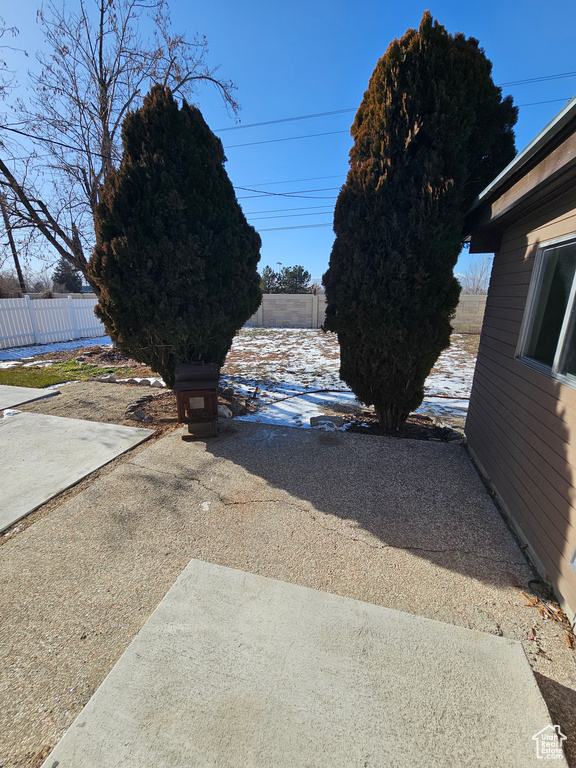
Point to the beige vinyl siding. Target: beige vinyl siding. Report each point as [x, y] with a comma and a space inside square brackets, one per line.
[522, 423]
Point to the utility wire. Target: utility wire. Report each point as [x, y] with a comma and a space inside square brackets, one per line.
[282, 210]
[287, 138]
[304, 226]
[561, 76]
[295, 181]
[284, 120]
[296, 193]
[332, 133]
[291, 215]
[289, 119]
[53, 141]
[533, 103]
[545, 78]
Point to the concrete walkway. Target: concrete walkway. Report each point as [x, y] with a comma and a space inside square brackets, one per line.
[44, 455]
[13, 396]
[236, 670]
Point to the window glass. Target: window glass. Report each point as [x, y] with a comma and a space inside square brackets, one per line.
[551, 306]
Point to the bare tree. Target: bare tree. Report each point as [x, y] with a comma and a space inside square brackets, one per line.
[476, 278]
[96, 69]
[9, 285]
[6, 74]
[7, 83]
[11, 241]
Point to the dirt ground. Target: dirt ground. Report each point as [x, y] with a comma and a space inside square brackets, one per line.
[101, 401]
[111, 403]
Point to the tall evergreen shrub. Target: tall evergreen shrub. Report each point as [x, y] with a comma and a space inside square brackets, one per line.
[65, 276]
[175, 258]
[430, 133]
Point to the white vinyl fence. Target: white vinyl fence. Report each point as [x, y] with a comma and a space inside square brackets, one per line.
[24, 322]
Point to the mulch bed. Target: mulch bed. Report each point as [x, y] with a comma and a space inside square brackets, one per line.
[415, 428]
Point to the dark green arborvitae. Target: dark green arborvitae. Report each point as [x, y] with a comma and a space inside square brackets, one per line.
[175, 258]
[430, 133]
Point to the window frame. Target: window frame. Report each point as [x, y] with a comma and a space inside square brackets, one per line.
[530, 314]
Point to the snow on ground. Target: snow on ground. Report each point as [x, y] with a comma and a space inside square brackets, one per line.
[27, 353]
[283, 369]
[292, 374]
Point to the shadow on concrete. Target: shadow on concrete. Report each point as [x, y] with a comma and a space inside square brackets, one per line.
[561, 702]
[409, 495]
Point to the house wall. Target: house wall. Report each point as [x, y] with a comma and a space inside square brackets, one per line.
[521, 425]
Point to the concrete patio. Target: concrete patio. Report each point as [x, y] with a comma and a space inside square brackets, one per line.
[404, 525]
[238, 670]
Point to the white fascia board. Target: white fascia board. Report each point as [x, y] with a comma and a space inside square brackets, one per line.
[566, 114]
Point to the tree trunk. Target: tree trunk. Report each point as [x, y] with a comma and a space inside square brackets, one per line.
[12, 243]
[391, 418]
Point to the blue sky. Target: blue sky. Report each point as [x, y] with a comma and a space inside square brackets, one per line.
[301, 58]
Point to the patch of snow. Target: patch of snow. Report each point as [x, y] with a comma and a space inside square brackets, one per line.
[39, 364]
[280, 369]
[296, 411]
[25, 353]
[152, 381]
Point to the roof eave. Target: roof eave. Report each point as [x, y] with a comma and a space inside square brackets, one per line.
[536, 146]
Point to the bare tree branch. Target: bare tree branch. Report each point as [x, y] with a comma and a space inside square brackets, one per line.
[476, 278]
[96, 67]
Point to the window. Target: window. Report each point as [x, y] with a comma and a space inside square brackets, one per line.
[548, 340]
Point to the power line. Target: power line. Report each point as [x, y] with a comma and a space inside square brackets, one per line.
[332, 133]
[291, 119]
[282, 210]
[296, 193]
[53, 141]
[561, 76]
[295, 181]
[284, 120]
[291, 215]
[550, 101]
[303, 226]
[545, 78]
[288, 138]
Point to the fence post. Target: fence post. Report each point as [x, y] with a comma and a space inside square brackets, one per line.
[72, 313]
[32, 317]
[314, 310]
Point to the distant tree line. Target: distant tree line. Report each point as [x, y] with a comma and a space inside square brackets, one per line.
[288, 280]
[64, 279]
